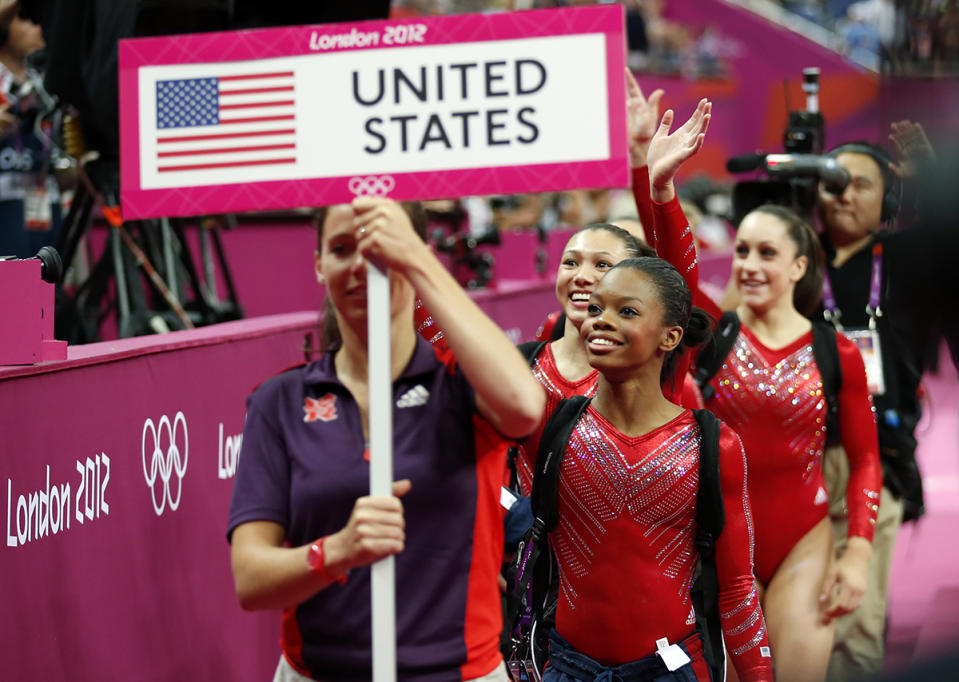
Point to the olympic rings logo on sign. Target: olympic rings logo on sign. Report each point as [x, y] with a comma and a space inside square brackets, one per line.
[165, 463]
[372, 185]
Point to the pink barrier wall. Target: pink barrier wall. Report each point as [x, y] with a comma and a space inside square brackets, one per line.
[116, 473]
[272, 265]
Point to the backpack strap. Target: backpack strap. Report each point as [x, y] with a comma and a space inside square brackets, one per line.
[532, 578]
[826, 351]
[710, 519]
[713, 354]
[531, 350]
[544, 498]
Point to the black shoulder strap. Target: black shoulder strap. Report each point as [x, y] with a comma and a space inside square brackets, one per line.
[710, 514]
[531, 349]
[533, 579]
[559, 328]
[826, 351]
[710, 519]
[545, 493]
[714, 353]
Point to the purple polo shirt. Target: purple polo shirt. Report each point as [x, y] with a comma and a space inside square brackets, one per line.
[302, 466]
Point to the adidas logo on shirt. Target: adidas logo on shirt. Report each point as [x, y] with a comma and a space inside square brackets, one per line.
[414, 397]
[821, 496]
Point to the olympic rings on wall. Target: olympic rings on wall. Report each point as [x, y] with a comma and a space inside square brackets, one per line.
[164, 465]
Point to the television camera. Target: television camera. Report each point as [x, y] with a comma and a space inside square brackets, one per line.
[471, 268]
[792, 178]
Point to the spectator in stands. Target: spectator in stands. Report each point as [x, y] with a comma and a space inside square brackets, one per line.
[946, 38]
[302, 528]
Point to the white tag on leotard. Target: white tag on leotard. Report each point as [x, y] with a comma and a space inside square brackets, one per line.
[673, 656]
[507, 498]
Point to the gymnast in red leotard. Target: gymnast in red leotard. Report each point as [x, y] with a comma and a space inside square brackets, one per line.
[770, 391]
[627, 500]
[561, 365]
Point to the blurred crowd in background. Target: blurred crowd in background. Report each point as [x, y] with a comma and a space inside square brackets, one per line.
[900, 36]
[64, 107]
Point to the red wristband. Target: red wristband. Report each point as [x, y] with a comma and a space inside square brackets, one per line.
[316, 560]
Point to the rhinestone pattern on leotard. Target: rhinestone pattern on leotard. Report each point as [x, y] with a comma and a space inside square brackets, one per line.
[599, 483]
[789, 392]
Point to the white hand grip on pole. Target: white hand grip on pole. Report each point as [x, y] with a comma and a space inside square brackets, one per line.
[382, 576]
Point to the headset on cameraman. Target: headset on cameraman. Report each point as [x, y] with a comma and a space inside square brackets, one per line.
[892, 187]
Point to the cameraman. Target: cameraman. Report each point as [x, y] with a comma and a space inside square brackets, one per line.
[864, 264]
[29, 197]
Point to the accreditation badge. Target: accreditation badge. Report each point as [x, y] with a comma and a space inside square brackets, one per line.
[36, 207]
[867, 340]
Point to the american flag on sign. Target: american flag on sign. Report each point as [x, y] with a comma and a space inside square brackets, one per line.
[225, 122]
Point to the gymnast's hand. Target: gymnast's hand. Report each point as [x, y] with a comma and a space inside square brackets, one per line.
[376, 529]
[642, 115]
[668, 152]
[847, 579]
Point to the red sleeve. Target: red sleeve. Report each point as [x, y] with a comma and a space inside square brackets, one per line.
[674, 240]
[690, 395]
[644, 203]
[425, 326]
[545, 332]
[860, 440]
[675, 245]
[744, 627]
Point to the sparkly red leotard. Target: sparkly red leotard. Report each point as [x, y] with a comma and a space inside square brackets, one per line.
[773, 400]
[678, 246]
[625, 544]
[557, 387]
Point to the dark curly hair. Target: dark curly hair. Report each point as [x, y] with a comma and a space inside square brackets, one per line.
[678, 308]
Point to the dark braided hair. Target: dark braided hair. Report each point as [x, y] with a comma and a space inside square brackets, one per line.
[678, 308]
[634, 247]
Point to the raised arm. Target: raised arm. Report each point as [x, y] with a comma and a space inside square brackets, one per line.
[642, 116]
[744, 627]
[666, 155]
[912, 147]
[844, 587]
[506, 392]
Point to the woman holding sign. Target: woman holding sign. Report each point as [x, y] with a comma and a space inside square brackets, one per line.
[302, 529]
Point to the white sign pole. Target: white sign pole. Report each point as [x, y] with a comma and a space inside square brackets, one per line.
[381, 464]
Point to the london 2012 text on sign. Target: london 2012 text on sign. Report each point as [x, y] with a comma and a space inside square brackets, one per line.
[432, 108]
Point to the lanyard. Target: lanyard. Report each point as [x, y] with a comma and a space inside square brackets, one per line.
[832, 312]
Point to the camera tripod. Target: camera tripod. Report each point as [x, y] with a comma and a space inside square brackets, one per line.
[147, 274]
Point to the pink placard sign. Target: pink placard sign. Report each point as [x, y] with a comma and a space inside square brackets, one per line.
[432, 107]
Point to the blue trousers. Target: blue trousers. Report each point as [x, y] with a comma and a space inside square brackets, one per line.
[568, 665]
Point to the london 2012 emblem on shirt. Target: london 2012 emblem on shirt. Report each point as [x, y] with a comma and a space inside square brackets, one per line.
[323, 408]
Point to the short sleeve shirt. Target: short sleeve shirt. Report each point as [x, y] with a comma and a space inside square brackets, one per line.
[302, 466]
